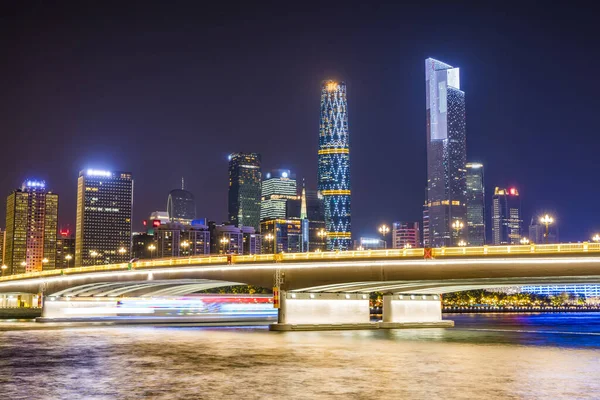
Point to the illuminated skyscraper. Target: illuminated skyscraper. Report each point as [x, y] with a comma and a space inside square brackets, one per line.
[65, 249]
[103, 226]
[31, 229]
[278, 188]
[446, 154]
[244, 189]
[506, 216]
[334, 165]
[475, 205]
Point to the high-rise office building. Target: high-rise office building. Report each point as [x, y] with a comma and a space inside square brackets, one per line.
[178, 240]
[278, 188]
[31, 228]
[446, 154]
[475, 205]
[244, 189]
[103, 226]
[284, 234]
[181, 206]
[506, 216]
[334, 165]
[406, 234]
[65, 249]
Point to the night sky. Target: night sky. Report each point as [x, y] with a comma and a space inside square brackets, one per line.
[169, 89]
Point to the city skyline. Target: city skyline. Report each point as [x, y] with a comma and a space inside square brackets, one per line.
[386, 105]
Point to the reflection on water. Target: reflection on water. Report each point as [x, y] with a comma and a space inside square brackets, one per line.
[487, 356]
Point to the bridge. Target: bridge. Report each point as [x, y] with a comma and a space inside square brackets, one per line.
[329, 288]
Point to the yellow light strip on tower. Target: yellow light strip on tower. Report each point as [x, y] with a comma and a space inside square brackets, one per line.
[338, 235]
[335, 193]
[334, 151]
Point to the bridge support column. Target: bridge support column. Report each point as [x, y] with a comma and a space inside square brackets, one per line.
[323, 311]
[413, 310]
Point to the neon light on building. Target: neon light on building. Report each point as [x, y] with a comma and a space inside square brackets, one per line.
[334, 165]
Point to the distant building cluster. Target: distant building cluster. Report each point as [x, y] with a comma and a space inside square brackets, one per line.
[273, 212]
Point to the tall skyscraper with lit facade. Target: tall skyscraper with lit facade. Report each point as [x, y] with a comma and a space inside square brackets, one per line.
[446, 154]
[103, 224]
[245, 189]
[278, 188]
[506, 216]
[334, 165]
[31, 228]
[475, 205]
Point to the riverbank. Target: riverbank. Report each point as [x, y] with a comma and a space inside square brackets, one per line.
[490, 309]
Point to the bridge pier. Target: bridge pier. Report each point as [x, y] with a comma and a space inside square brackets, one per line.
[301, 311]
[413, 310]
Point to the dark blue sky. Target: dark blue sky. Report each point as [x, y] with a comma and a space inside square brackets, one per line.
[165, 90]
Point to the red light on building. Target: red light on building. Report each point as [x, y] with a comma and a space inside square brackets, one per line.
[65, 232]
[156, 223]
[145, 223]
[513, 191]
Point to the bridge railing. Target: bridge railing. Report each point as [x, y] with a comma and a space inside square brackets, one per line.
[482, 251]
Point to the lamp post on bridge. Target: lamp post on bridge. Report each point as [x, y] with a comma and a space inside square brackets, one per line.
[269, 237]
[223, 242]
[322, 233]
[68, 257]
[547, 220]
[524, 240]
[384, 230]
[458, 225]
[4, 267]
[152, 247]
[596, 238]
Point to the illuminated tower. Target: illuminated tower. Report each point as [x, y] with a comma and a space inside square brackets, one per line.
[31, 228]
[506, 216]
[446, 155]
[334, 164]
[244, 189]
[103, 225]
[475, 205]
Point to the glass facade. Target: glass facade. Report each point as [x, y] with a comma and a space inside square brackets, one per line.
[278, 188]
[446, 154]
[334, 165]
[103, 224]
[286, 235]
[244, 189]
[506, 216]
[475, 205]
[406, 234]
[181, 206]
[65, 249]
[31, 229]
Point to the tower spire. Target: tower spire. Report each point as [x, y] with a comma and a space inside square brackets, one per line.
[303, 213]
[182, 184]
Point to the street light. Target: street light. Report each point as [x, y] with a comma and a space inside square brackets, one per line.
[122, 250]
[269, 237]
[384, 230]
[93, 253]
[524, 240]
[185, 245]
[3, 268]
[223, 241]
[44, 262]
[546, 220]
[407, 246]
[458, 225]
[462, 243]
[596, 238]
[322, 233]
[152, 247]
[68, 257]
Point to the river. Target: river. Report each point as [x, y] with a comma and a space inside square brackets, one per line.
[486, 356]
